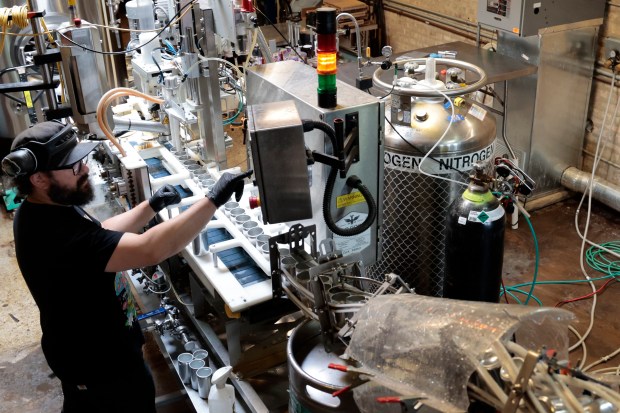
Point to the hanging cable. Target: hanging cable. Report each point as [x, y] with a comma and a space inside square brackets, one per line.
[16, 15]
[588, 192]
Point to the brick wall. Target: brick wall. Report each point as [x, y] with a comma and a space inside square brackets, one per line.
[404, 33]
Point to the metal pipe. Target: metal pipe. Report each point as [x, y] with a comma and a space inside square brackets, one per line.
[121, 123]
[602, 190]
[46, 72]
[358, 40]
[601, 70]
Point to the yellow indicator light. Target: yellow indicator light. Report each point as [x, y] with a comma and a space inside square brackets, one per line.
[326, 63]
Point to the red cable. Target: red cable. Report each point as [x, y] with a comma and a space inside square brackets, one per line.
[583, 297]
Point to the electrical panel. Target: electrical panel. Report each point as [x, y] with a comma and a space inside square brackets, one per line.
[527, 17]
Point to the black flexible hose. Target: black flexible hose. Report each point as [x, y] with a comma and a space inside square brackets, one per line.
[310, 125]
[353, 181]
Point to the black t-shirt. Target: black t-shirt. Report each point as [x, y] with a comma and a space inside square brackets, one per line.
[88, 316]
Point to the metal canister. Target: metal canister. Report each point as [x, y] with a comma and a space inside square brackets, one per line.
[311, 381]
[415, 203]
[475, 228]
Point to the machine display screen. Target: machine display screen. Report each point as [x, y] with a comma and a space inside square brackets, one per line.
[499, 7]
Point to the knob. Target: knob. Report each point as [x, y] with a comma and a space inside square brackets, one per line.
[254, 202]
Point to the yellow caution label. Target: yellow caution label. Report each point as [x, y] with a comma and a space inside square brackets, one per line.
[28, 98]
[349, 199]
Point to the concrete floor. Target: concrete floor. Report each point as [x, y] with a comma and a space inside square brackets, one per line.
[27, 384]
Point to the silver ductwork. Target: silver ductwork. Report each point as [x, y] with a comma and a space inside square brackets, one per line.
[602, 190]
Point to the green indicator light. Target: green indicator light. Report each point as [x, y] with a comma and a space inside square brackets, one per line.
[326, 83]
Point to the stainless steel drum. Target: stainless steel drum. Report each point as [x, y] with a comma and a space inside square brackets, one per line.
[311, 381]
[415, 204]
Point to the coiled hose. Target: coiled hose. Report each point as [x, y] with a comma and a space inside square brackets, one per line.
[353, 181]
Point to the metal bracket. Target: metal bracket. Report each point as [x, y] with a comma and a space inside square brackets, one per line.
[520, 385]
[294, 238]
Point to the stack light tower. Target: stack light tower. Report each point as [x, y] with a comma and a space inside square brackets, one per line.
[327, 56]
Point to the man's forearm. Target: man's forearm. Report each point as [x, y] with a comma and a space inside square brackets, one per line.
[133, 220]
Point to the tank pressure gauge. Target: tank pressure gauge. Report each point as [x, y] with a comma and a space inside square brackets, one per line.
[386, 51]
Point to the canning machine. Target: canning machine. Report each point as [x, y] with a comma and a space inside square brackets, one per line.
[301, 285]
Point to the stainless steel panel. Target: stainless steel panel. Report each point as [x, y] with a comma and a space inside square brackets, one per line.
[84, 74]
[546, 112]
[279, 156]
[295, 81]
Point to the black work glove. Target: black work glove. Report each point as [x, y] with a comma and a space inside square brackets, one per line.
[226, 186]
[164, 196]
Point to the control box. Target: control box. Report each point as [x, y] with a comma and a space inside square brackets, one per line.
[527, 17]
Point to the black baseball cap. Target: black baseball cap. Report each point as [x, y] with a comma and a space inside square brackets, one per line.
[55, 145]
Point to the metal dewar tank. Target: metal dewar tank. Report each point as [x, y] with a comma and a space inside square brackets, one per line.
[415, 204]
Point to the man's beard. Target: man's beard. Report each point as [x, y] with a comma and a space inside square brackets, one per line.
[82, 194]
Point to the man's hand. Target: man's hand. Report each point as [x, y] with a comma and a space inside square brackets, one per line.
[166, 195]
[226, 186]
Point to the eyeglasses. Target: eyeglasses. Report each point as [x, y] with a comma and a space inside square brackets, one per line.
[76, 167]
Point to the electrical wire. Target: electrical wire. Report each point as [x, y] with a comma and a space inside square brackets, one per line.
[419, 151]
[427, 155]
[170, 46]
[504, 288]
[537, 258]
[588, 192]
[239, 111]
[583, 297]
[510, 290]
[440, 138]
[161, 73]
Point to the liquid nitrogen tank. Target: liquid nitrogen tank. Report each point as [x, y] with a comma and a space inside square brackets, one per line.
[430, 147]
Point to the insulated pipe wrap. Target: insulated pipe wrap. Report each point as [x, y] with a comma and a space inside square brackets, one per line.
[602, 190]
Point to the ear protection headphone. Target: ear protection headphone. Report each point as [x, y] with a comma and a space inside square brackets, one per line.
[36, 156]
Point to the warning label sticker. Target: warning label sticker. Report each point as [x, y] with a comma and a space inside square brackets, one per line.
[484, 216]
[477, 112]
[349, 199]
[357, 243]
